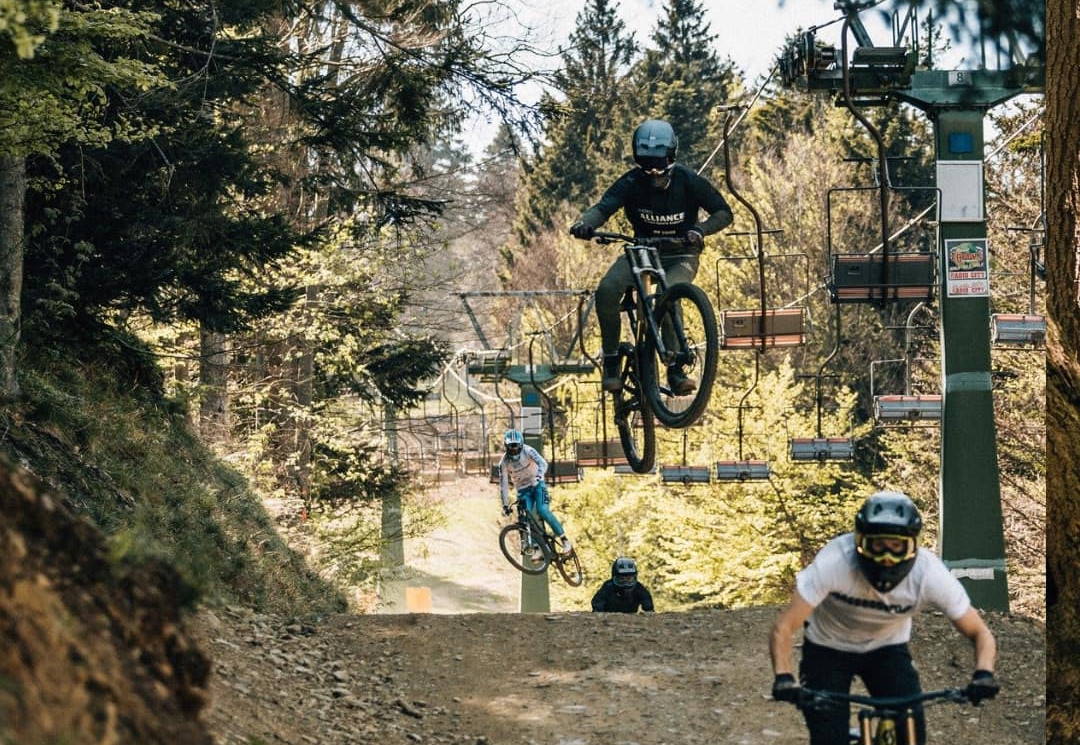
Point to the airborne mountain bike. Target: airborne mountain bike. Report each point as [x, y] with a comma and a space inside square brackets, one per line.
[518, 539]
[692, 343]
[881, 720]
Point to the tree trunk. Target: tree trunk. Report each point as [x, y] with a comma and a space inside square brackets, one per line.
[213, 382]
[12, 198]
[1063, 368]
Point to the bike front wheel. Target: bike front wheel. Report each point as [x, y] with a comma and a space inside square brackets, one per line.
[686, 309]
[634, 420]
[513, 542]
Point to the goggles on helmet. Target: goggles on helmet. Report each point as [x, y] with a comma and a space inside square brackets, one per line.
[656, 166]
[625, 580]
[513, 448]
[886, 548]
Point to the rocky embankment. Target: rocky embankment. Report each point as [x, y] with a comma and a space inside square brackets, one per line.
[91, 651]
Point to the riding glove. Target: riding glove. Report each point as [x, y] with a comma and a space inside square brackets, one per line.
[695, 239]
[582, 231]
[506, 510]
[784, 688]
[982, 687]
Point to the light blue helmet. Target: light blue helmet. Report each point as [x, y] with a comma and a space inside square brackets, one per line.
[514, 443]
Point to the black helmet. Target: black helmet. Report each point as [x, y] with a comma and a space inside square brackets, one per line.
[655, 146]
[886, 538]
[624, 572]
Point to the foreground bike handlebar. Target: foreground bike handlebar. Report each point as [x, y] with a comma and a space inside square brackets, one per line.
[810, 698]
[605, 238]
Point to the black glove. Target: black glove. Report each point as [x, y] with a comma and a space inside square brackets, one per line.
[784, 688]
[982, 687]
[695, 239]
[506, 510]
[582, 231]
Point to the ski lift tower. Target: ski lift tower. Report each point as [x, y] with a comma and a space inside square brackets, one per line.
[956, 101]
[495, 364]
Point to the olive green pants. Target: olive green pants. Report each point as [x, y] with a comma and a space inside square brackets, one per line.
[678, 268]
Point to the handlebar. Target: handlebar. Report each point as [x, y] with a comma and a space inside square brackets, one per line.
[811, 698]
[605, 238]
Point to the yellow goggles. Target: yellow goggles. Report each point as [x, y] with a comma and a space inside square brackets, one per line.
[886, 547]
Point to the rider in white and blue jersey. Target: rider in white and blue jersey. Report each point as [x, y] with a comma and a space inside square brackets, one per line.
[525, 467]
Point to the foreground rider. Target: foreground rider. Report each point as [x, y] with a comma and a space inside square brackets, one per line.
[857, 599]
[525, 467]
[661, 199]
[622, 593]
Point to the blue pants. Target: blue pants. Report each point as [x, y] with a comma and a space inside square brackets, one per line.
[536, 499]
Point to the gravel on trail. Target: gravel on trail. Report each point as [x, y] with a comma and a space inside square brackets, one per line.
[562, 679]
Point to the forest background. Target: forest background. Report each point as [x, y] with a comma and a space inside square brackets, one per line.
[247, 220]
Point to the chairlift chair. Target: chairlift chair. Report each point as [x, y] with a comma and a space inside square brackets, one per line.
[599, 453]
[742, 470]
[761, 327]
[1018, 329]
[684, 474]
[820, 449]
[563, 472]
[489, 365]
[907, 406]
[1023, 329]
[624, 469]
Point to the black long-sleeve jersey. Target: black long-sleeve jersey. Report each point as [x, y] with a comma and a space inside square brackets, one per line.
[613, 599]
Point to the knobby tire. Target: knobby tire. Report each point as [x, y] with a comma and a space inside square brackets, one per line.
[514, 534]
[706, 362]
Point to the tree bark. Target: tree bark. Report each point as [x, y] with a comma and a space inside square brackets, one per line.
[12, 199]
[214, 385]
[1063, 368]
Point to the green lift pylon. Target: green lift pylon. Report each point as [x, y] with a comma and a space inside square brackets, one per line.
[535, 595]
[972, 540]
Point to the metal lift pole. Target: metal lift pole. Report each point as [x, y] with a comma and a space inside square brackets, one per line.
[972, 535]
[972, 540]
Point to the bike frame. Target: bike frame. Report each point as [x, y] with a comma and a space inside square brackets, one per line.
[650, 283]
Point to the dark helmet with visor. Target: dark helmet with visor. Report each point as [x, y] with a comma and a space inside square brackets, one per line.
[886, 538]
[624, 572]
[655, 147]
[514, 443]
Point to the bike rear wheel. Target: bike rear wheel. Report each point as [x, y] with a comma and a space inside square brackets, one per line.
[634, 420]
[512, 541]
[688, 308]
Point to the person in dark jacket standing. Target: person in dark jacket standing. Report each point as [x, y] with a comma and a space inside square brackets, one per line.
[661, 199]
[622, 593]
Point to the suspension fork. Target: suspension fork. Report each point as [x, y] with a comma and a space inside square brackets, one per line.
[646, 275]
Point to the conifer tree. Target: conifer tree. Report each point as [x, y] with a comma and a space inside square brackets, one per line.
[682, 78]
[582, 129]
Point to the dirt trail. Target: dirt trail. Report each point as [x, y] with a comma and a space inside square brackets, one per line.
[559, 679]
[460, 562]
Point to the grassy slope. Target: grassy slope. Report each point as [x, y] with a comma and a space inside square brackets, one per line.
[126, 457]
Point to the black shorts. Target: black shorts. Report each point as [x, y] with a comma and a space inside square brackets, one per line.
[886, 671]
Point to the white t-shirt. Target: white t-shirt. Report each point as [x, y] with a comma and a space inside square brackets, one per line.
[851, 616]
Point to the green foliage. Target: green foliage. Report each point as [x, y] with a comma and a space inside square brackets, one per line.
[27, 22]
[125, 458]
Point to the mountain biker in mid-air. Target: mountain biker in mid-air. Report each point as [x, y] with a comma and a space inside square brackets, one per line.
[661, 199]
[622, 593]
[525, 467]
[857, 599]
